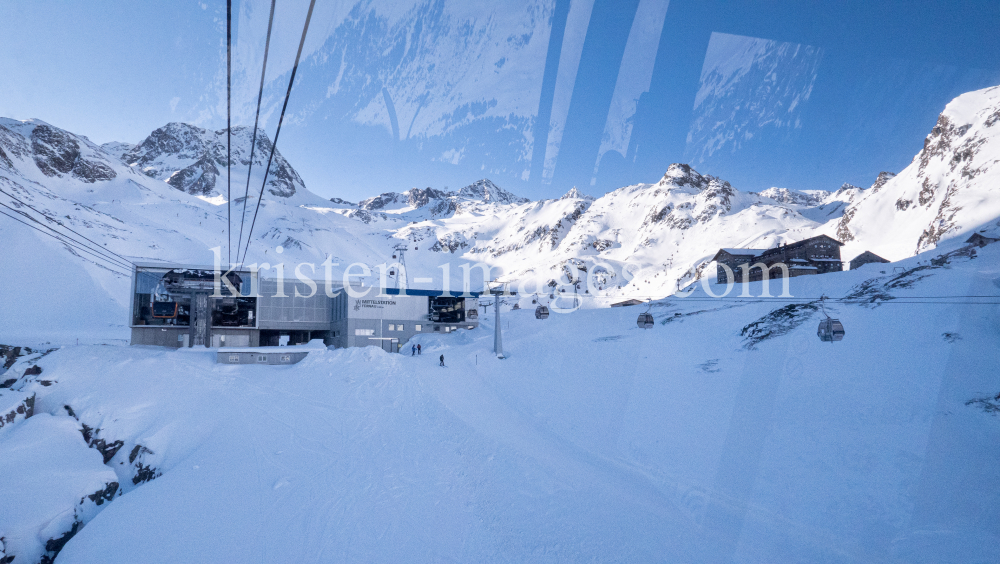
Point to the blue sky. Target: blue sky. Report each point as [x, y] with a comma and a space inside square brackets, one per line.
[537, 95]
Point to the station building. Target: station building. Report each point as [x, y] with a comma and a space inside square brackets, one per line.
[185, 305]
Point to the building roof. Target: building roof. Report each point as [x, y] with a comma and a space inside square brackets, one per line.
[870, 255]
[430, 293]
[987, 236]
[802, 243]
[738, 252]
[629, 302]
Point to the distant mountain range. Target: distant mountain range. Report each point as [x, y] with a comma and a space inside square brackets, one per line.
[644, 239]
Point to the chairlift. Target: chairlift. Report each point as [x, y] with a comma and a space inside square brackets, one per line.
[645, 320]
[541, 312]
[829, 329]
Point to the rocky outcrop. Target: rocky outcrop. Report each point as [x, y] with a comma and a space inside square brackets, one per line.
[439, 203]
[197, 179]
[15, 406]
[487, 192]
[57, 153]
[883, 177]
[202, 155]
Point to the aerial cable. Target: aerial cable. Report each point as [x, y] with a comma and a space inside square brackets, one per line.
[281, 118]
[99, 250]
[69, 243]
[60, 224]
[253, 140]
[117, 268]
[229, 127]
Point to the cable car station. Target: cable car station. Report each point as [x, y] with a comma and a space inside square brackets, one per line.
[184, 306]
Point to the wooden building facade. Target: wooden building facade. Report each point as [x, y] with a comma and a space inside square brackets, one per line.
[816, 255]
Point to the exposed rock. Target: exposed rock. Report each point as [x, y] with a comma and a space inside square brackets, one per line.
[203, 156]
[883, 177]
[419, 198]
[57, 152]
[5, 161]
[198, 178]
[107, 494]
[15, 406]
[487, 192]
[54, 545]
[143, 472]
[776, 323]
[381, 201]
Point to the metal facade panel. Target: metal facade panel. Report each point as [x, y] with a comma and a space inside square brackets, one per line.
[372, 306]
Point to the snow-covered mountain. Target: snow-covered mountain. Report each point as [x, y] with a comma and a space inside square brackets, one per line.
[164, 199]
[117, 214]
[193, 159]
[951, 187]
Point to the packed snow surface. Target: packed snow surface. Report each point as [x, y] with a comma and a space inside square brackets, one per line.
[727, 433]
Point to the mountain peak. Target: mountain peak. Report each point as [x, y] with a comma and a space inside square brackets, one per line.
[193, 159]
[489, 193]
[575, 193]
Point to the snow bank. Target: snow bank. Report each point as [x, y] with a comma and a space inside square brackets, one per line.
[52, 483]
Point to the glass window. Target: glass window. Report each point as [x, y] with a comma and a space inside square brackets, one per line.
[417, 328]
[399, 328]
[364, 332]
[392, 327]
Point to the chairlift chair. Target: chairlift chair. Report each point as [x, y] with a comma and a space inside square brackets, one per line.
[541, 312]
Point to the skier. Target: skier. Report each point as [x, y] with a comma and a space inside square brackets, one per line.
[442, 360]
[418, 349]
[413, 350]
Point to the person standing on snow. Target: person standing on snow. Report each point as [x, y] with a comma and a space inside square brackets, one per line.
[418, 349]
[442, 360]
[413, 350]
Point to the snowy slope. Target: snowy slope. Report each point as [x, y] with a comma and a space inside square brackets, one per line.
[951, 187]
[727, 433]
